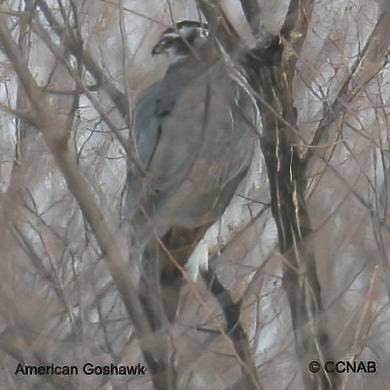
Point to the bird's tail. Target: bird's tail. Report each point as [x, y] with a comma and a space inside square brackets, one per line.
[162, 277]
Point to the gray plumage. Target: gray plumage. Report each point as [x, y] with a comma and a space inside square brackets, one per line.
[195, 138]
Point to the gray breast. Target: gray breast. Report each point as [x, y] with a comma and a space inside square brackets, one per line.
[195, 138]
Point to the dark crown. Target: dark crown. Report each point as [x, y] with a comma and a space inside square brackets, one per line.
[181, 38]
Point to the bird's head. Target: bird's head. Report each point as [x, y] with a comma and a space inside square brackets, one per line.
[179, 41]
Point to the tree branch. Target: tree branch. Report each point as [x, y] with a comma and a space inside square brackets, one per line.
[367, 64]
[55, 128]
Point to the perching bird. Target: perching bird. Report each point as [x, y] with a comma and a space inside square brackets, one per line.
[195, 135]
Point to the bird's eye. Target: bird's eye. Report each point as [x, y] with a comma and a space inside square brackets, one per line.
[168, 43]
[164, 45]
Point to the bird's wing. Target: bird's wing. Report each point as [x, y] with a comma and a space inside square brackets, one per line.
[204, 149]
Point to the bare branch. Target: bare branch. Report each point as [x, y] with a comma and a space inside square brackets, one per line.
[366, 66]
